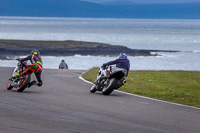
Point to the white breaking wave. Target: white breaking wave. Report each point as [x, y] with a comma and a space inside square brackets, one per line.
[166, 61]
[196, 51]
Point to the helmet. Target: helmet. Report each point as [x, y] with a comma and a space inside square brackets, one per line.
[35, 52]
[122, 56]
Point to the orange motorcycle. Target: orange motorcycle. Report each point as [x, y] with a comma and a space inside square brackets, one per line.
[21, 76]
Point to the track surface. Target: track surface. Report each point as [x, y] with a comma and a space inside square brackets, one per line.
[65, 105]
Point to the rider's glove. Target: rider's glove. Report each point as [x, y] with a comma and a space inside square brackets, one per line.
[18, 59]
[103, 66]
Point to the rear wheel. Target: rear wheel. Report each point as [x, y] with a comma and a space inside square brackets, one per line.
[110, 86]
[93, 89]
[24, 82]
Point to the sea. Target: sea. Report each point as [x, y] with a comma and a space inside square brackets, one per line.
[181, 35]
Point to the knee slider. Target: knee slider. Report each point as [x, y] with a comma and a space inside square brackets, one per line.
[40, 84]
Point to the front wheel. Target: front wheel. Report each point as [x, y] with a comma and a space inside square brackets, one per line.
[93, 89]
[24, 82]
[110, 86]
[9, 87]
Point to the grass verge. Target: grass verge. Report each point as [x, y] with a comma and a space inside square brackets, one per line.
[174, 86]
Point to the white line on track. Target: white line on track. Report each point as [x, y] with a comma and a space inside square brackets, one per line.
[80, 77]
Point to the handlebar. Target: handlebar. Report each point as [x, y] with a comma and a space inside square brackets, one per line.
[18, 59]
[104, 67]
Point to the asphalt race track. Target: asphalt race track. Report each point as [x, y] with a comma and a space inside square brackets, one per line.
[65, 105]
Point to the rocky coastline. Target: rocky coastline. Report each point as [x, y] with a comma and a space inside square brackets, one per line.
[10, 48]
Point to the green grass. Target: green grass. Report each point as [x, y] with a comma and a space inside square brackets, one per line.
[174, 86]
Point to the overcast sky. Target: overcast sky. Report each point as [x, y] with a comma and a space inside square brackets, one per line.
[147, 1]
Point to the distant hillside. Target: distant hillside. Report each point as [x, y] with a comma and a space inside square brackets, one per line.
[67, 48]
[77, 8]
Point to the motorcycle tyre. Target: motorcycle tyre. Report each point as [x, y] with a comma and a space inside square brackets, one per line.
[10, 87]
[111, 86]
[93, 89]
[26, 82]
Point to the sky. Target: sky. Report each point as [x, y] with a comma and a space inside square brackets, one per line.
[146, 1]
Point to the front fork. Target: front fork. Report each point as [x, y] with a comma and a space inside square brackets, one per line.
[16, 81]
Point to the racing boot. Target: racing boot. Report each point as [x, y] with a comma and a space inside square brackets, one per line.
[32, 83]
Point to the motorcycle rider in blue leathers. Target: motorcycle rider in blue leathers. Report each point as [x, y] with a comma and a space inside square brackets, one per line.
[121, 62]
